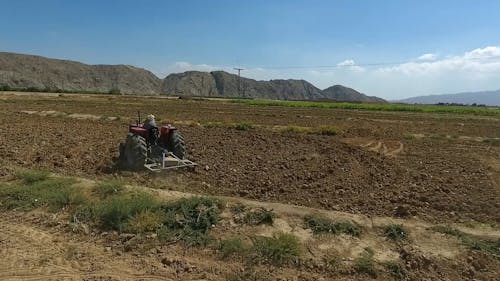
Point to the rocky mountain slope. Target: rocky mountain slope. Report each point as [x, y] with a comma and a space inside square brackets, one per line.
[35, 73]
[26, 71]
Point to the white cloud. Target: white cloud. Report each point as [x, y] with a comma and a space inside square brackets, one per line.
[475, 64]
[351, 64]
[428, 57]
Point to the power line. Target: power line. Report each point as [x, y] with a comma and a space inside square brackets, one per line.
[239, 79]
[495, 59]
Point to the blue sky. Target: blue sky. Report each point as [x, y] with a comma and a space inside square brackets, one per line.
[429, 46]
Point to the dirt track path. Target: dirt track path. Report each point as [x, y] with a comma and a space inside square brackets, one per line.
[29, 252]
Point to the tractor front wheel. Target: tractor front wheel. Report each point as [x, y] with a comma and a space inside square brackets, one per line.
[134, 152]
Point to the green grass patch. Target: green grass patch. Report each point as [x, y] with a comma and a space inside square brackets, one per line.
[319, 224]
[279, 249]
[365, 263]
[115, 212]
[321, 130]
[37, 190]
[376, 107]
[395, 232]
[232, 247]
[109, 187]
[487, 246]
[32, 176]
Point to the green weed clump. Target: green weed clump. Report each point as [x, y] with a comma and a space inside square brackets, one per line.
[365, 263]
[320, 224]
[115, 212]
[259, 216]
[231, 247]
[243, 126]
[279, 249]
[395, 232]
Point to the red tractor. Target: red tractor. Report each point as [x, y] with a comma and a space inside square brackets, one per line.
[153, 148]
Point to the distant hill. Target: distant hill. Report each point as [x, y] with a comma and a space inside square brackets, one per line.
[341, 93]
[26, 71]
[36, 73]
[487, 97]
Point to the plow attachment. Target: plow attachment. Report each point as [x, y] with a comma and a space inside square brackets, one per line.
[169, 162]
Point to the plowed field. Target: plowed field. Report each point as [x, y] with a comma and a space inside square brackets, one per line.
[438, 167]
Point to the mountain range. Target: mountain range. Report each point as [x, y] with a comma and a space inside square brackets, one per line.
[491, 98]
[36, 73]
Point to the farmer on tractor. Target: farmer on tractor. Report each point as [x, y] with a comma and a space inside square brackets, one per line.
[149, 123]
[152, 147]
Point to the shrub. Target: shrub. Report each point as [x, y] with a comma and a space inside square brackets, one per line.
[231, 247]
[109, 187]
[395, 232]
[145, 221]
[279, 249]
[259, 216]
[320, 224]
[365, 263]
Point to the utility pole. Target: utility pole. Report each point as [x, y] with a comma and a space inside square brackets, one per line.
[239, 79]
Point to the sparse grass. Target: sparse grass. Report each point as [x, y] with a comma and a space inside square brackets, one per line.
[248, 274]
[109, 187]
[473, 243]
[243, 126]
[376, 107]
[259, 216]
[32, 176]
[325, 130]
[321, 130]
[396, 270]
[297, 129]
[279, 249]
[37, 189]
[231, 247]
[210, 125]
[395, 232]
[320, 224]
[365, 263]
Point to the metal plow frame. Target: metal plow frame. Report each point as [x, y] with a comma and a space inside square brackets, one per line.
[181, 163]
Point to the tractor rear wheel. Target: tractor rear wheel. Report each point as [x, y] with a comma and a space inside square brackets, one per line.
[134, 153]
[176, 145]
